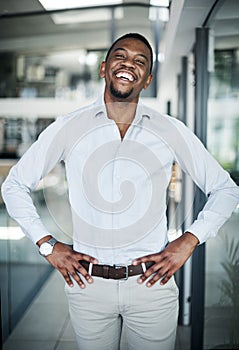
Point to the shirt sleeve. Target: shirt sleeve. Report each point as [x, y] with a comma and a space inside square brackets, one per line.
[24, 177]
[222, 193]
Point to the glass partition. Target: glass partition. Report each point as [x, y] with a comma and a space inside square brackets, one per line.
[67, 74]
[222, 253]
[22, 269]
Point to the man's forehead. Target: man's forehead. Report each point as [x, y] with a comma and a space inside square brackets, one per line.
[126, 43]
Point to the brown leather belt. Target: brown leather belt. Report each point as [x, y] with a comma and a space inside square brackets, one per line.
[115, 272]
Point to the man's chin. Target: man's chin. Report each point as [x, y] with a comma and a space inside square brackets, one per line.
[120, 94]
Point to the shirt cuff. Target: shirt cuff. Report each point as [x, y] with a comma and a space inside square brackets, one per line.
[206, 226]
[35, 231]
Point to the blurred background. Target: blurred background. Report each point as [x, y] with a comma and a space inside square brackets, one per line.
[50, 54]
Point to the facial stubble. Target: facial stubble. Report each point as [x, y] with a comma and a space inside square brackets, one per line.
[118, 94]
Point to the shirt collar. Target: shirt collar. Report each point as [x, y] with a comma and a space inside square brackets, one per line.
[141, 111]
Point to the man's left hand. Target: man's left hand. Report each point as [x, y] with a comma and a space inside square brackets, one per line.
[167, 262]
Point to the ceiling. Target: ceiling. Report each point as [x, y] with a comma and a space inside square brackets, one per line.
[31, 33]
[38, 34]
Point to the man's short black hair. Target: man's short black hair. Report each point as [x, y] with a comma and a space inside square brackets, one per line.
[136, 36]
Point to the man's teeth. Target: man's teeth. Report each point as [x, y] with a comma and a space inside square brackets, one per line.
[125, 75]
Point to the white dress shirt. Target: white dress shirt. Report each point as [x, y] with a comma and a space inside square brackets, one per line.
[117, 188]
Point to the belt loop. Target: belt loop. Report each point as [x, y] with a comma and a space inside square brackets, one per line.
[90, 269]
[143, 267]
[105, 271]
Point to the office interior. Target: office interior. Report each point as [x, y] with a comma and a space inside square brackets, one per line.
[49, 65]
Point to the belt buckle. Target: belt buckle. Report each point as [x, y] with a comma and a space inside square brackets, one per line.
[118, 266]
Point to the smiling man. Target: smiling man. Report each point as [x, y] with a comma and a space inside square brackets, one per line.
[118, 156]
[127, 71]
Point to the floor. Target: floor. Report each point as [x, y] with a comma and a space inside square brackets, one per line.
[46, 324]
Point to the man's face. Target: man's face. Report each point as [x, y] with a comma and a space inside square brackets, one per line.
[127, 70]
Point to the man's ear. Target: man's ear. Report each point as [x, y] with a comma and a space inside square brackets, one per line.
[102, 69]
[148, 81]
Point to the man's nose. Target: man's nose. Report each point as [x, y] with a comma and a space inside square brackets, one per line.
[129, 62]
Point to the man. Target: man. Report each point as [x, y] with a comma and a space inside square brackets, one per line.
[118, 156]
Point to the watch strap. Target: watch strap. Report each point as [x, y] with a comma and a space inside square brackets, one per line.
[52, 241]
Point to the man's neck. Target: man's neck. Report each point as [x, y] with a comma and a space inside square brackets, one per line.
[122, 113]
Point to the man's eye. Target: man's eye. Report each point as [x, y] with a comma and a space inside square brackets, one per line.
[139, 62]
[119, 56]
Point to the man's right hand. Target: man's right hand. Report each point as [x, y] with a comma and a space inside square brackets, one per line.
[66, 260]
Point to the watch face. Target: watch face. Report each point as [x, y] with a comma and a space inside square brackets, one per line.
[45, 249]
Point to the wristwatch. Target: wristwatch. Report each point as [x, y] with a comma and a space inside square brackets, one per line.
[46, 248]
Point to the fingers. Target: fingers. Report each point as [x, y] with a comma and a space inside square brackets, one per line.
[157, 271]
[74, 272]
[146, 258]
[86, 257]
[73, 275]
[168, 261]
[67, 278]
[162, 270]
[165, 279]
[66, 261]
[80, 269]
[158, 276]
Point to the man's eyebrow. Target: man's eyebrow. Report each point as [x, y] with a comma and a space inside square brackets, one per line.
[138, 54]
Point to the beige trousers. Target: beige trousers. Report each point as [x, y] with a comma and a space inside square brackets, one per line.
[147, 316]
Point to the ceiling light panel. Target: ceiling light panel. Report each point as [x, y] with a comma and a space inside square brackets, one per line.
[161, 14]
[67, 4]
[164, 3]
[86, 16]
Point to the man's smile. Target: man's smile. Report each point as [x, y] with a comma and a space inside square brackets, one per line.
[125, 75]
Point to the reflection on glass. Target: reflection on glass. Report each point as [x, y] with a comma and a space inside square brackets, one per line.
[22, 269]
[63, 74]
[222, 288]
[223, 118]
[222, 253]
